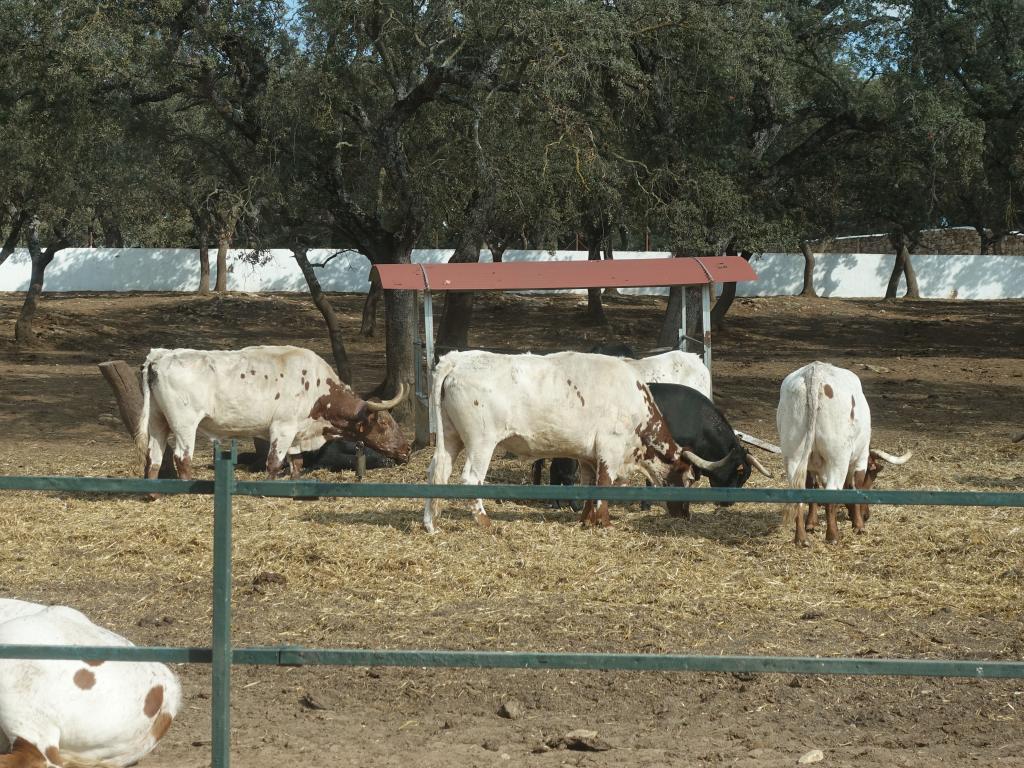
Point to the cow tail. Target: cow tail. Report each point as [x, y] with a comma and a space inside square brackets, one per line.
[142, 431]
[444, 367]
[799, 479]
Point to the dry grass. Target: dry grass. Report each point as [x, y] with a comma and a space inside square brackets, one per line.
[945, 582]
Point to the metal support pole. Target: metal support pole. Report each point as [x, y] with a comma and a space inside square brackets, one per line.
[705, 309]
[223, 488]
[682, 318]
[428, 333]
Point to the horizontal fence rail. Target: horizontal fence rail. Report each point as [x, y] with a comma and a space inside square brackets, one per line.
[222, 655]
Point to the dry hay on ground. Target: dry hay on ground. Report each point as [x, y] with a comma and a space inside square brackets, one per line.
[930, 582]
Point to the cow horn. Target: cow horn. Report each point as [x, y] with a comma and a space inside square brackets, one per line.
[704, 464]
[387, 405]
[758, 465]
[1019, 437]
[890, 458]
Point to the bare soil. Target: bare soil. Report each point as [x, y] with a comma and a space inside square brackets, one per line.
[943, 378]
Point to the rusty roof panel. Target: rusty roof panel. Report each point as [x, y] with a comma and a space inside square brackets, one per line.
[541, 275]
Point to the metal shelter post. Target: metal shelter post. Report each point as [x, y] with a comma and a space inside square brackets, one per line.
[705, 314]
[223, 488]
[428, 332]
[682, 318]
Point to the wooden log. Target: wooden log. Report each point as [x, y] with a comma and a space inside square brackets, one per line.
[127, 387]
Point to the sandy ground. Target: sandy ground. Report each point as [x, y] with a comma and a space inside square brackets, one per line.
[943, 379]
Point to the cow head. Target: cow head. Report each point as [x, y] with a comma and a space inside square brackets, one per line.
[876, 460]
[364, 421]
[739, 465]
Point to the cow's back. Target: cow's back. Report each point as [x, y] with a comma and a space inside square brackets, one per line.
[541, 405]
[675, 367]
[239, 393]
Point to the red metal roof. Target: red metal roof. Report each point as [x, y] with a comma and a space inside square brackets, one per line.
[538, 275]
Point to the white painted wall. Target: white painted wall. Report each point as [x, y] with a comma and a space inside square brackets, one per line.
[836, 274]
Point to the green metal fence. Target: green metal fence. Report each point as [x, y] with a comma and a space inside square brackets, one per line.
[222, 655]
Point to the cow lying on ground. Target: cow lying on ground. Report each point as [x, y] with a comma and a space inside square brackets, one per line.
[674, 367]
[592, 408]
[288, 396]
[825, 434]
[77, 713]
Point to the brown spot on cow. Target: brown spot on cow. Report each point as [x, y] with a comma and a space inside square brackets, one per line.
[281, 375]
[94, 662]
[828, 391]
[242, 376]
[266, 376]
[154, 700]
[318, 382]
[303, 371]
[307, 385]
[53, 755]
[85, 679]
[477, 402]
[853, 407]
[160, 726]
[277, 396]
[25, 754]
[252, 372]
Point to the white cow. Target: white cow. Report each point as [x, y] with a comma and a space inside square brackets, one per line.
[675, 367]
[825, 434]
[77, 713]
[288, 396]
[593, 408]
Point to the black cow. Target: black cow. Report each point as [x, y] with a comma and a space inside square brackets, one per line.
[567, 471]
[697, 423]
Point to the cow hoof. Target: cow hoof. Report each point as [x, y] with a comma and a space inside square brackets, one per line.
[832, 542]
[859, 531]
[806, 544]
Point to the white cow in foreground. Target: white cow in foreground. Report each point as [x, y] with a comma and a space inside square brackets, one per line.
[77, 713]
[289, 396]
[592, 408]
[825, 434]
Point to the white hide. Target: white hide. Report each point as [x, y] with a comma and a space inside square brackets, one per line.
[829, 437]
[675, 367]
[263, 391]
[90, 712]
[584, 406]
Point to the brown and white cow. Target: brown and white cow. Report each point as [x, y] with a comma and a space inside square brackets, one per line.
[288, 396]
[77, 713]
[825, 434]
[592, 408]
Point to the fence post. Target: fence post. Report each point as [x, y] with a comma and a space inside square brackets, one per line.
[223, 488]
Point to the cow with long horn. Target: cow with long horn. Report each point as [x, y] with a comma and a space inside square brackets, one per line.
[289, 396]
[591, 408]
[825, 434]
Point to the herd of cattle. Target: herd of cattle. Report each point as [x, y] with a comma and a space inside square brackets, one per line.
[602, 415]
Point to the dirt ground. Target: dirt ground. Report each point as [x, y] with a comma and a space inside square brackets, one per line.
[943, 378]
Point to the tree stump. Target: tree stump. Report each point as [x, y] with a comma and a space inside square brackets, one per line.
[127, 387]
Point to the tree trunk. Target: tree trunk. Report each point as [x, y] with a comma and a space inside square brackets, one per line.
[222, 263]
[669, 336]
[399, 328]
[12, 237]
[341, 362]
[808, 289]
[609, 255]
[498, 251]
[124, 381]
[902, 266]
[368, 327]
[725, 301]
[457, 317]
[23, 332]
[203, 232]
[595, 309]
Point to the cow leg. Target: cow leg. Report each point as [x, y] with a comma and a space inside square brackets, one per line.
[800, 539]
[295, 465]
[604, 479]
[478, 459]
[587, 477]
[858, 512]
[441, 469]
[281, 438]
[538, 472]
[811, 523]
[644, 504]
[831, 528]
